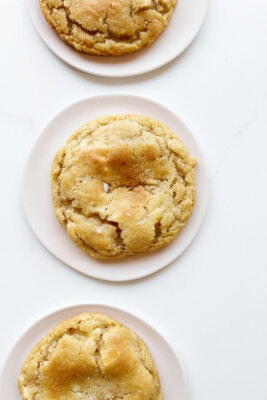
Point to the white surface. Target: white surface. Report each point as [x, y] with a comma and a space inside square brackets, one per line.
[211, 303]
[168, 365]
[37, 188]
[185, 24]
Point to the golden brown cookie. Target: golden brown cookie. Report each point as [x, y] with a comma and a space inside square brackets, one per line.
[91, 357]
[105, 27]
[123, 185]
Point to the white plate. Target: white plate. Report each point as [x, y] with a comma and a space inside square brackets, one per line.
[36, 194]
[169, 367]
[181, 31]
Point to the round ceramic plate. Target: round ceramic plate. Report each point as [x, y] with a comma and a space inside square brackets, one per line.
[37, 200]
[184, 26]
[169, 367]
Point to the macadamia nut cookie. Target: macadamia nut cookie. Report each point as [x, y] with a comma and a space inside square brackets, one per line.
[108, 27]
[91, 357]
[123, 185]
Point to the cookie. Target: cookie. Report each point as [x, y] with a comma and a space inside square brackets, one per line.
[90, 356]
[104, 27]
[123, 185]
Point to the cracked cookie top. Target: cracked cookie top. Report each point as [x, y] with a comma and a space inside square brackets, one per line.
[91, 357]
[108, 27]
[123, 185]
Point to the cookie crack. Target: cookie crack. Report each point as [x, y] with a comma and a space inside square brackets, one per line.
[106, 34]
[157, 230]
[119, 240]
[97, 354]
[148, 369]
[45, 358]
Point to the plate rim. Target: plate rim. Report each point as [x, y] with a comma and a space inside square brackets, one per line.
[105, 74]
[134, 276]
[95, 307]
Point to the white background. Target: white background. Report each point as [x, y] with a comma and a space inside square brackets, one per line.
[211, 304]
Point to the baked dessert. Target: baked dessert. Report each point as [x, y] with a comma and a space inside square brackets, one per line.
[123, 185]
[105, 27]
[90, 356]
